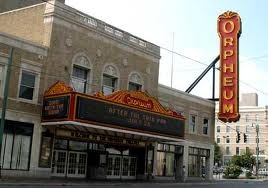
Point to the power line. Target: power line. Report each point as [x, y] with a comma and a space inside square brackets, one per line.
[172, 51]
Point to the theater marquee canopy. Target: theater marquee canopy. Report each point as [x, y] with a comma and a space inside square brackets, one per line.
[132, 112]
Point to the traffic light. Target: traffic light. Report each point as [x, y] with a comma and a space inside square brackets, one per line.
[245, 138]
[238, 137]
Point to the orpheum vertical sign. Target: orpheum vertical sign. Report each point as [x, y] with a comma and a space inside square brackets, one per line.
[229, 30]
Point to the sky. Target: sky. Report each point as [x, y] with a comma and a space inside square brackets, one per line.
[189, 27]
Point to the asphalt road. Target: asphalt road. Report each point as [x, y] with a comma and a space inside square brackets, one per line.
[152, 185]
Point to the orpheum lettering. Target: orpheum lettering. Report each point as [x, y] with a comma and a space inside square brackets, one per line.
[229, 30]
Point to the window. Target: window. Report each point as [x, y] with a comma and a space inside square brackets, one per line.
[237, 151]
[27, 85]
[109, 79]
[165, 160]
[218, 129]
[45, 152]
[218, 139]
[205, 126]
[256, 117]
[79, 79]
[247, 128]
[135, 82]
[134, 86]
[109, 84]
[237, 128]
[16, 145]
[227, 129]
[247, 118]
[193, 170]
[227, 139]
[227, 150]
[192, 125]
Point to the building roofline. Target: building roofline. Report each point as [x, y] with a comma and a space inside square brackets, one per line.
[20, 43]
[176, 92]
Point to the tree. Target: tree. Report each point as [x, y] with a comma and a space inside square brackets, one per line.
[217, 154]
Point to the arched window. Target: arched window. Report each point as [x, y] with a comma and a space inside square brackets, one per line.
[81, 73]
[135, 82]
[109, 79]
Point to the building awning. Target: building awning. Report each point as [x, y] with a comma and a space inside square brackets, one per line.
[108, 131]
[131, 113]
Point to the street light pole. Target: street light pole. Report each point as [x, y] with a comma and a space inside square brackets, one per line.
[257, 150]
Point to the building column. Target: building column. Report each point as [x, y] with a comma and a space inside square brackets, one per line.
[155, 159]
[210, 164]
[185, 158]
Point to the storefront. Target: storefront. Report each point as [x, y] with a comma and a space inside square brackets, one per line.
[114, 137]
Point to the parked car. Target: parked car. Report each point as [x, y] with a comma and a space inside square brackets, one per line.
[263, 172]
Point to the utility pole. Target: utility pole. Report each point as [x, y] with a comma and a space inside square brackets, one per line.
[3, 115]
[257, 150]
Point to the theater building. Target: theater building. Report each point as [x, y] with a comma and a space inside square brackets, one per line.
[87, 103]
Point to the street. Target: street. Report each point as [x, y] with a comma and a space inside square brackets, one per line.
[241, 184]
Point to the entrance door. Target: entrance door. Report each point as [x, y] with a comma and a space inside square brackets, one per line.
[75, 166]
[77, 162]
[121, 167]
[59, 161]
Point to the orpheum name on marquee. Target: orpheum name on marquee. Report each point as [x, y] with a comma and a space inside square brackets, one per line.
[229, 30]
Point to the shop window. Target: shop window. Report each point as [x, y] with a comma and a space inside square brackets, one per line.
[60, 144]
[45, 153]
[79, 79]
[78, 146]
[165, 159]
[205, 126]
[192, 124]
[27, 85]
[16, 145]
[193, 166]
[135, 82]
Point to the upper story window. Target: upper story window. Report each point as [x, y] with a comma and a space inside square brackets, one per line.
[79, 79]
[237, 128]
[205, 126]
[218, 139]
[135, 82]
[256, 117]
[227, 129]
[81, 74]
[227, 139]
[227, 150]
[109, 80]
[218, 129]
[27, 85]
[247, 118]
[192, 123]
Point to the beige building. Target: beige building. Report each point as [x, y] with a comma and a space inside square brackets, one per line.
[55, 42]
[251, 116]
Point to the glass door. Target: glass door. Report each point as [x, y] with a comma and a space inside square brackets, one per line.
[121, 167]
[59, 163]
[77, 162]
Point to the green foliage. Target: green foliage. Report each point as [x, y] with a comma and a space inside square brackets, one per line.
[217, 154]
[232, 171]
[237, 162]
